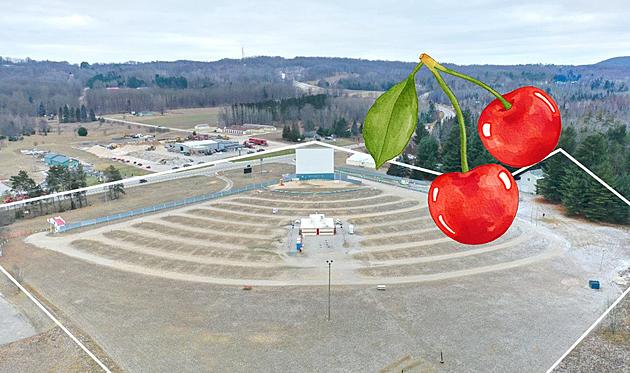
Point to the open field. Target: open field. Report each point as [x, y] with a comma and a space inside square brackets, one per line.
[66, 142]
[266, 154]
[168, 277]
[606, 348]
[178, 118]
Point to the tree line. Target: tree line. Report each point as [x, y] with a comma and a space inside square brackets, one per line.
[320, 113]
[69, 114]
[608, 156]
[58, 179]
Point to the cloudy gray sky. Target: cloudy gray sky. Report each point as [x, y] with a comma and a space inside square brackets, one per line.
[475, 31]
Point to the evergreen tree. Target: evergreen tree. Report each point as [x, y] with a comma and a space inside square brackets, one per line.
[55, 179]
[66, 114]
[41, 110]
[60, 115]
[426, 157]
[554, 168]
[400, 171]
[451, 158]
[573, 185]
[78, 179]
[340, 128]
[286, 132]
[83, 115]
[111, 173]
[421, 132]
[593, 150]
[92, 116]
[22, 183]
[354, 129]
[295, 134]
[77, 115]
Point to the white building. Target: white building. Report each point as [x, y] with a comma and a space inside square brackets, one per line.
[361, 160]
[528, 181]
[56, 223]
[192, 147]
[317, 225]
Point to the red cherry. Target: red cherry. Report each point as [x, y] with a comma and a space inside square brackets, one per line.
[526, 133]
[474, 207]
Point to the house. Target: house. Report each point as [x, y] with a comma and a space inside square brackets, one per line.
[528, 181]
[53, 159]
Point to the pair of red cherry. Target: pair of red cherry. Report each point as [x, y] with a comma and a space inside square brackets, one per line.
[478, 206]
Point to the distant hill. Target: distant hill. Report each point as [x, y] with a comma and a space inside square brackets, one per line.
[615, 62]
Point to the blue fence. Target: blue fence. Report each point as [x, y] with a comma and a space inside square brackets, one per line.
[184, 202]
[413, 184]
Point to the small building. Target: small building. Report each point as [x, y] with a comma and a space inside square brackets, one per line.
[53, 159]
[56, 223]
[247, 129]
[361, 160]
[528, 180]
[317, 225]
[195, 147]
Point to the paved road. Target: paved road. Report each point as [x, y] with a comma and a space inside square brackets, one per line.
[12, 325]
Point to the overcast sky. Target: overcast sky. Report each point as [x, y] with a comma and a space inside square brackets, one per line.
[498, 32]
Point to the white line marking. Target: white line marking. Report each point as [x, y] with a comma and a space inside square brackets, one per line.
[54, 320]
[542, 97]
[555, 365]
[591, 173]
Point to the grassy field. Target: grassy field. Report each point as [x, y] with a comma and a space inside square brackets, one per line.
[265, 154]
[64, 141]
[179, 118]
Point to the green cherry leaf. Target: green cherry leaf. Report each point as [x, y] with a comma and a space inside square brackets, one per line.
[391, 121]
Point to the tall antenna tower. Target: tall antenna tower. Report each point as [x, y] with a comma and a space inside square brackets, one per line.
[242, 53]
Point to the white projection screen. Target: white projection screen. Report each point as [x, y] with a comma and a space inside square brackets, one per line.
[314, 161]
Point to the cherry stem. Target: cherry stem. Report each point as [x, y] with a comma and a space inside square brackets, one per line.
[460, 117]
[506, 104]
[433, 64]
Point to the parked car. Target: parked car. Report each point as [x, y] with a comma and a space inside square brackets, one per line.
[142, 181]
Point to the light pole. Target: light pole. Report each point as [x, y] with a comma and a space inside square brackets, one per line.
[329, 261]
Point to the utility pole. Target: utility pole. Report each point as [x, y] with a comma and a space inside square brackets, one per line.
[329, 261]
